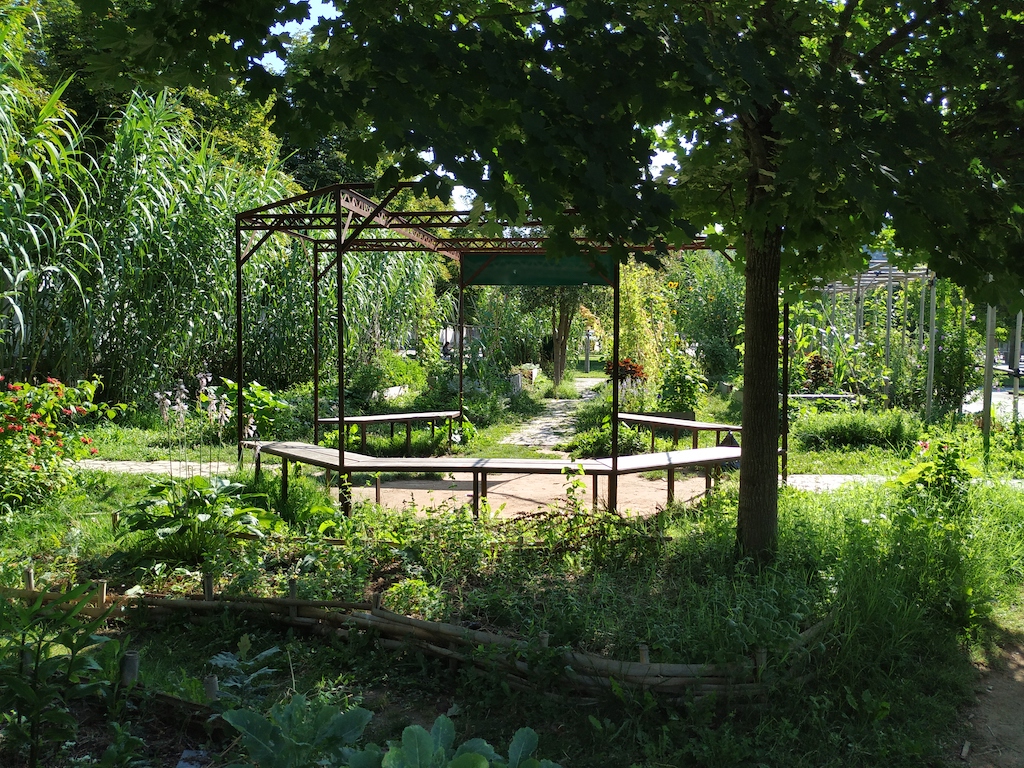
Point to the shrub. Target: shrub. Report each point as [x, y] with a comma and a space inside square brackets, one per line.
[385, 369]
[37, 437]
[628, 370]
[857, 429]
[683, 383]
[596, 443]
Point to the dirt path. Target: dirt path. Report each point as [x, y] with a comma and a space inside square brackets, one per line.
[995, 724]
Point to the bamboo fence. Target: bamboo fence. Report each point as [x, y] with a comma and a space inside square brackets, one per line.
[524, 665]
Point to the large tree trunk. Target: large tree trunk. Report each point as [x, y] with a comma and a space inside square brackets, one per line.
[757, 523]
[758, 515]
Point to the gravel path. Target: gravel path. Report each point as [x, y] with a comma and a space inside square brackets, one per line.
[555, 426]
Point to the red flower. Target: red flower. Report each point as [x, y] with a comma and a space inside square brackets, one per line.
[34, 439]
[18, 428]
[36, 468]
[14, 387]
[52, 380]
[66, 411]
[94, 451]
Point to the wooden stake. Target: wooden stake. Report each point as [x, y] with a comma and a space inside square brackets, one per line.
[208, 586]
[30, 578]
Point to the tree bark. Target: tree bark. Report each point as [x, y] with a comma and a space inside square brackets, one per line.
[758, 514]
[564, 311]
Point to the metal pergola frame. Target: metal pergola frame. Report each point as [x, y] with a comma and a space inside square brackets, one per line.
[344, 218]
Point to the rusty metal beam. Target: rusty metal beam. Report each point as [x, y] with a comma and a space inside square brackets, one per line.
[364, 206]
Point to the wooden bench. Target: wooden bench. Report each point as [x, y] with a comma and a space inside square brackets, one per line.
[667, 422]
[480, 468]
[396, 418]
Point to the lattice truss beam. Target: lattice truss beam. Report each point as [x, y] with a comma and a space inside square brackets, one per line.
[343, 218]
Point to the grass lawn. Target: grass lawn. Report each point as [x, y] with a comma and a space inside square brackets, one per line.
[913, 585]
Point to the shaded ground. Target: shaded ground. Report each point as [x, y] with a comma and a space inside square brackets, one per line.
[994, 726]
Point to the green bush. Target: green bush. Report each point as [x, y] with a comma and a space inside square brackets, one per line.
[595, 443]
[38, 437]
[683, 383]
[368, 380]
[857, 429]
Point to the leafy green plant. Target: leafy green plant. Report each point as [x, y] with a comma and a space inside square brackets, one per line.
[596, 443]
[44, 667]
[941, 472]
[38, 436]
[265, 408]
[852, 428]
[683, 382]
[299, 734]
[434, 749]
[186, 520]
[244, 682]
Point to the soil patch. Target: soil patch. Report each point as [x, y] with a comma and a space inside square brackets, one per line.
[995, 725]
[514, 495]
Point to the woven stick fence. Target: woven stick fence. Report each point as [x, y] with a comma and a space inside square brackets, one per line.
[524, 665]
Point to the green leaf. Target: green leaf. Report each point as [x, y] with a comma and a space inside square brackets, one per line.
[469, 760]
[348, 726]
[260, 737]
[370, 757]
[479, 747]
[443, 733]
[523, 745]
[417, 748]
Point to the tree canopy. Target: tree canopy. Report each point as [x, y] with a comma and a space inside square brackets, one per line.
[801, 131]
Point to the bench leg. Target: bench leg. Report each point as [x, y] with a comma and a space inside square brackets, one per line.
[708, 477]
[408, 438]
[613, 493]
[483, 485]
[596, 477]
[284, 481]
[362, 438]
[671, 484]
[376, 482]
[259, 468]
[696, 438]
[476, 496]
[652, 439]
